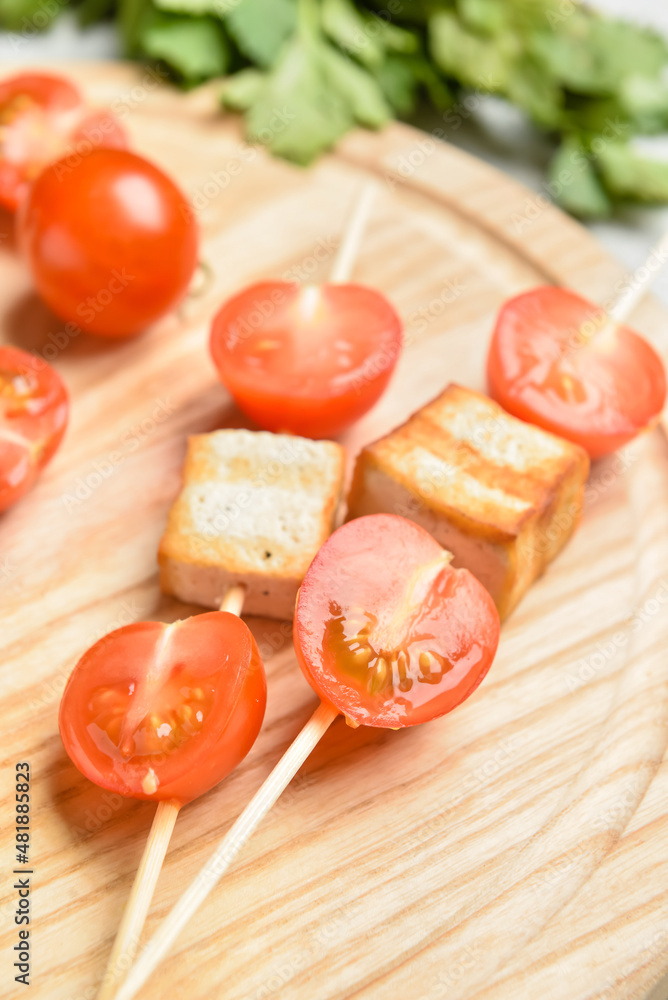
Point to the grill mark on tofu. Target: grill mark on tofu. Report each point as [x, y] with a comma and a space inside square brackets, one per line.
[451, 480]
[496, 436]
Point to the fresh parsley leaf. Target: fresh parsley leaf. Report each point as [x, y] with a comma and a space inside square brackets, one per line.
[133, 16]
[297, 113]
[195, 47]
[391, 36]
[624, 49]
[604, 117]
[427, 79]
[541, 99]
[489, 17]
[243, 89]
[594, 55]
[399, 85]
[576, 184]
[260, 30]
[645, 101]
[18, 15]
[356, 86]
[629, 175]
[308, 70]
[415, 12]
[346, 26]
[475, 61]
[218, 8]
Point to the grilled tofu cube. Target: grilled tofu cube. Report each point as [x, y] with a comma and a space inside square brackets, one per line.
[254, 509]
[502, 495]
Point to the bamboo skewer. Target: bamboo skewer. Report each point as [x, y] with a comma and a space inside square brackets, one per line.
[640, 282]
[228, 848]
[150, 866]
[349, 248]
[635, 287]
[301, 747]
[233, 601]
[139, 900]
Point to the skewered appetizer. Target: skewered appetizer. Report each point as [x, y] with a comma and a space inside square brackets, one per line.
[309, 359]
[163, 713]
[387, 633]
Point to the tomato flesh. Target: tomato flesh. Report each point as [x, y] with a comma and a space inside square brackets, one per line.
[307, 360]
[33, 416]
[111, 242]
[41, 116]
[156, 711]
[552, 363]
[386, 630]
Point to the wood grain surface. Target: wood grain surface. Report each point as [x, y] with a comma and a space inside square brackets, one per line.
[515, 849]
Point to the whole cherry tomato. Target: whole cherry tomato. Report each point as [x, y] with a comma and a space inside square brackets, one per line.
[156, 711]
[386, 630]
[111, 241]
[33, 415]
[41, 117]
[309, 360]
[553, 363]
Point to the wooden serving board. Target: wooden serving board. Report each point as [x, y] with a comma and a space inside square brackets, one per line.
[515, 849]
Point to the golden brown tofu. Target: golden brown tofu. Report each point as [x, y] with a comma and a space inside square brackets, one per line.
[254, 509]
[502, 495]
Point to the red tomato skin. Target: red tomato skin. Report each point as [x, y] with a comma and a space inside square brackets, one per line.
[369, 559]
[206, 758]
[111, 241]
[41, 422]
[283, 401]
[616, 401]
[65, 123]
[98, 129]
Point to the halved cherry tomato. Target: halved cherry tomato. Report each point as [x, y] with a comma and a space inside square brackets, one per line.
[310, 359]
[33, 415]
[550, 364]
[111, 241]
[386, 630]
[156, 711]
[41, 117]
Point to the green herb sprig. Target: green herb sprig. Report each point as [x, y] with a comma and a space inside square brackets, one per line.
[303, 72]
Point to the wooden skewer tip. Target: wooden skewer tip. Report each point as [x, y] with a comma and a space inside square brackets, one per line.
[241, 830]
[139, 900]
[352, 237]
